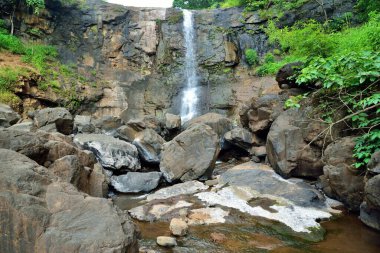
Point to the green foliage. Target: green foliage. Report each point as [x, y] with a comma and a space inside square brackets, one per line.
[350, 83]
[175, 18]
[366, 145]
[9, 77]
[271, 68]
[251, 57]
[309, 40]
[269, 58]
[37, 5]
[294, 101]
[303, 39]
[39, 56]
[364, 7]
[11, 43]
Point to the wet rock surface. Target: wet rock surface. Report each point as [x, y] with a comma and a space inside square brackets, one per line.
[136, 182]
[111, 152]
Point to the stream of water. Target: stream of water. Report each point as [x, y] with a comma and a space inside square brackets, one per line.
[190, 94]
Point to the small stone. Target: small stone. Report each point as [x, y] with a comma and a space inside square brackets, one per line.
[166, 241]
[211, 182]
[218, 237]
[178, 227]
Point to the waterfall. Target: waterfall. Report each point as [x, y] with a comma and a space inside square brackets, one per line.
[190, 94]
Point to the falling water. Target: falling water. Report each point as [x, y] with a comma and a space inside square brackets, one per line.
[190, 93]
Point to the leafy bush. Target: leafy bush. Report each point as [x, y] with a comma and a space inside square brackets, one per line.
[364, 7]
[269, 58]
[251, 57]
[350, 83]
[303, 39]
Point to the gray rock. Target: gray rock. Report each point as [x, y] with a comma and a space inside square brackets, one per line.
[372, 192]
[190, 154]
[56, 216]
[369, 216]
[136, 182]
[240, 137]
[339, 179]
[263, 180]
[172, 121]
[43, 147]
[166, 241]
[59, 117]
[149, 144]
[220, 124]
[288, 152]
[111, 152]
[374, 164]
[259, 114]
[83, 124]
[126, 133]
[107, 123]
[98, 182]
[185, 188]
[26, 126]
[8, 117]
[78, 224]
[69, 169]
[259, 151]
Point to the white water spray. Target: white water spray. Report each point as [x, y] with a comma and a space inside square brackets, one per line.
[190, 93]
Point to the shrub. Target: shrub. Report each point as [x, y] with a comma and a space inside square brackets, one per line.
[11, 43]
[350, 82]
[251, 57]
[269, 58]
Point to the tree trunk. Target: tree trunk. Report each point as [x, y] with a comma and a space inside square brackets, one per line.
[11, 18]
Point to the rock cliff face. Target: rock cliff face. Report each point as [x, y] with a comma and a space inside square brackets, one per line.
[139, 52]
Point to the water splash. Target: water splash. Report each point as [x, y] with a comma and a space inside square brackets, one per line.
[190, 94]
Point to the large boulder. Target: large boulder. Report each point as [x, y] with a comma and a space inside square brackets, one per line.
[83, 124]
[54, 118]
[136, 182]
[8, 117]
[190, 154]
[112, 153]
[289, 150]
[285, 75]
[220, 124]
[42, 147]
[69, 169]
[79, 223]
[37, 215]
[240, 137]
[374, 165]
[149, 144]
[259, 114]
[339, 179]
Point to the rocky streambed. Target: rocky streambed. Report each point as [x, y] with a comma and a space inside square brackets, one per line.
[86, 184]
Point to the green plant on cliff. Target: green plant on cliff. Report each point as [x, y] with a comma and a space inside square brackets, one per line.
[251, 56]
[311, 39]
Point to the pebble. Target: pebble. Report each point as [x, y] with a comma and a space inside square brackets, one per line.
[178, 227]
[166, 241]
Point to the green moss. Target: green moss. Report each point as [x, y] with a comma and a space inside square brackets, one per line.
[175, 18]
